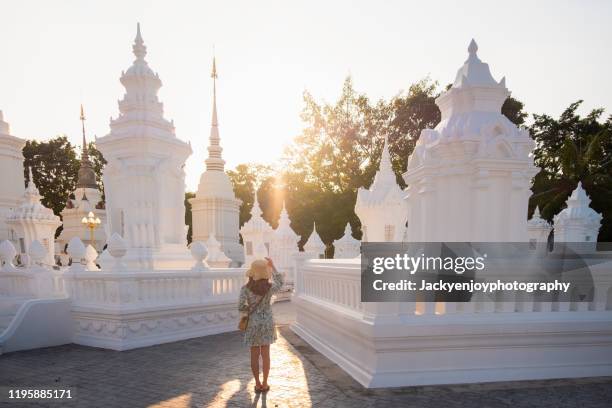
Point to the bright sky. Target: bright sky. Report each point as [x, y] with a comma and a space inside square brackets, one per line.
[57, 54]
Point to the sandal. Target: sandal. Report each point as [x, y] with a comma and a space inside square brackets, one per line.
[266, 389]
[258, 389]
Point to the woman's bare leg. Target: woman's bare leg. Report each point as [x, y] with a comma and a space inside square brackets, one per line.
[255, 364]
[265, 358]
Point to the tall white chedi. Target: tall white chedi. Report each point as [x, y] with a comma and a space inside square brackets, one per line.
[144, 179]
[87, 198]
[215, 209]
[468, 179]
[578, 222]
[382, 208]
[11, 169]
[347, 246]
[256, 235]
[32, 221]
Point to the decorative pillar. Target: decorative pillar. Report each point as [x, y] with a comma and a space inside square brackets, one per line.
[32, 221]
[347, 246]
[382, 208]
[256, 235]
[578, 223]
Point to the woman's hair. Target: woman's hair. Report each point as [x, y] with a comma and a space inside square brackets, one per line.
[259, 287]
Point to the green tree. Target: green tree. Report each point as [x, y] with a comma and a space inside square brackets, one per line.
[568, 150]
[513, 109]
[245, 178]
[411, 112]
[55, 167]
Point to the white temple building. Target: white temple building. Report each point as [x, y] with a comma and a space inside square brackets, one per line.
[31, 221]
[11, 168]
[538, 228]
[578, 222]
[87, 198]
[382, 208]
[256, 235]
[347, 246]
[215, 209]
[144, 179]
[469, 178]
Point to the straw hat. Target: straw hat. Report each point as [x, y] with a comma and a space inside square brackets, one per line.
[259, 270]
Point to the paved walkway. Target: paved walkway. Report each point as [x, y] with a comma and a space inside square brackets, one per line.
[213, 371]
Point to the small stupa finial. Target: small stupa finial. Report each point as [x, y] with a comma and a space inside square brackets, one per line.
[473, 47]
[140, 50]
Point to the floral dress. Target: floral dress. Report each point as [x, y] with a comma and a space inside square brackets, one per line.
[260, 330]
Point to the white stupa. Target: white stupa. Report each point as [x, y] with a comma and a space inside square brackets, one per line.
[469, 178]
[284, 245]
[578, 222]
[87, 198]
[382, 208]
[315, 244]
[538, 228]
[33, 221]
[144, 179]
[256, 235]
[11, 169]
[215, 209]
[347, 246]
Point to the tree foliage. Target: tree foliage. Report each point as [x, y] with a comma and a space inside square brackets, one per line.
[55, 167]
[570, 149]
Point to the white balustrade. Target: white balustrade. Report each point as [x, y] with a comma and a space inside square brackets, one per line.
[332, 281]
[138, 289]
[338, 283]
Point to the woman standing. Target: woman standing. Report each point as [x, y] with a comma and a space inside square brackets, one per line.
[254, 301]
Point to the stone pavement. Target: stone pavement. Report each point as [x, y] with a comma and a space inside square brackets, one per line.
[214, 372]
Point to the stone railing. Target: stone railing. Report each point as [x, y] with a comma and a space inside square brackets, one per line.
[38, 280]
[333, 281]
[142, 289]
[115, 286]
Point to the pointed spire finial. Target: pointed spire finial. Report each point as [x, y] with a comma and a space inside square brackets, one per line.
[82, 118]
[213, 74]
[214, 161]
[140, 50]
[473, 47]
